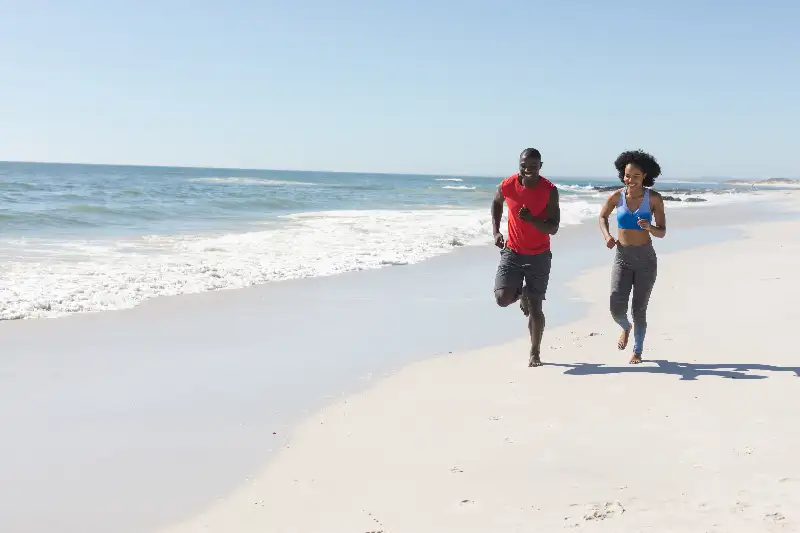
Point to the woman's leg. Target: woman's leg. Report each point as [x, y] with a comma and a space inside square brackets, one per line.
[644, 279]
[621, 283]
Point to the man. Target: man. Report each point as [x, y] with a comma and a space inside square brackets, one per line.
[533, 215]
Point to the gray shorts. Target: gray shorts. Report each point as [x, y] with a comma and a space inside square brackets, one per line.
[515, 268]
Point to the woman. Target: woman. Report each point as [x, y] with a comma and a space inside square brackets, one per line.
[640, 215]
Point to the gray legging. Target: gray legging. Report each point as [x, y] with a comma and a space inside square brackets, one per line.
[635, 267]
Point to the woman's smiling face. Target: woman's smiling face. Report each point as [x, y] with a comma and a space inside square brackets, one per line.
[633, 176]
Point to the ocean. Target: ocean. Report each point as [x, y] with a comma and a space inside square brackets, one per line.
[85, 238]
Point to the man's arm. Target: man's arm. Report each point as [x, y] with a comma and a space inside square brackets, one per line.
[497, 209]
[552, 214]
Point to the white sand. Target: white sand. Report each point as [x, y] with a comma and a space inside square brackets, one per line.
[706, 440]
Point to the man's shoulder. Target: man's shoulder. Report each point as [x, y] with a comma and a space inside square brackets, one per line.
[549, 187]
[548, 183]
[510, 179]
[507, 185]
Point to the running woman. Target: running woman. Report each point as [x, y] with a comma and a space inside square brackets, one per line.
[640, 216]
[533, 215]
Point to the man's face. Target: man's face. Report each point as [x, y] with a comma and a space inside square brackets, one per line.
[529, 166]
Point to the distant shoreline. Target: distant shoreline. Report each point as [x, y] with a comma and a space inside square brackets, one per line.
[770, 182]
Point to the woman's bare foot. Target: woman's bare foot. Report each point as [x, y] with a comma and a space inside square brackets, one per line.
[535, 360]
[622, 343]
[636, 359]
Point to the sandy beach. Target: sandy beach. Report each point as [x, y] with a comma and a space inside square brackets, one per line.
[216, 411]
[253, 258]
[702, 437]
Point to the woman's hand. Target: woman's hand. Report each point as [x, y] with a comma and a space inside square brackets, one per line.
[610, 242]
[644, 224]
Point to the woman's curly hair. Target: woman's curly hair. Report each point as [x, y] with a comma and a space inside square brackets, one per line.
[646, 163]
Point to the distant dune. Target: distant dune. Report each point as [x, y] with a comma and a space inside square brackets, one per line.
[769, 182]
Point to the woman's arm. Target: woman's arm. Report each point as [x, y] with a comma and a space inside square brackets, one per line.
[659, 229]
[605, 212]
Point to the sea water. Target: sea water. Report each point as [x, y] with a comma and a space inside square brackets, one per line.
[84, 238]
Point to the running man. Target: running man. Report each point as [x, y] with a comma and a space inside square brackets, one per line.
[533, 215]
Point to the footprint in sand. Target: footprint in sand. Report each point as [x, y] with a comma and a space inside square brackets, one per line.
[378, 522]
[777, 518]
[741, 506]
[747, 451]
[608, 510]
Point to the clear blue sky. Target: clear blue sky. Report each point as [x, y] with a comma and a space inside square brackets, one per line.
[710, 87]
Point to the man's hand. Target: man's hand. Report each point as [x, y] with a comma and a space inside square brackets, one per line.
[644, 224]
[611, 242]
[525, 215]
[499, 241]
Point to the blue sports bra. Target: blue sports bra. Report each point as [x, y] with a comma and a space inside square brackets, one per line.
[627, 219]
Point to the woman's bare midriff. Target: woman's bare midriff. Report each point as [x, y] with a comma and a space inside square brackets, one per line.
[633, 237]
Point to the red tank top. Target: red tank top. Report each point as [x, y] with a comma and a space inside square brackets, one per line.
[523, 238]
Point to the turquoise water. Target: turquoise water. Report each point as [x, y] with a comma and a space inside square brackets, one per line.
[78, 238]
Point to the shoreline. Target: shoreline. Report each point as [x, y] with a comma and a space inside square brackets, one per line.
[64, 289]
[456, 456]
[722, 225]
[202, 376]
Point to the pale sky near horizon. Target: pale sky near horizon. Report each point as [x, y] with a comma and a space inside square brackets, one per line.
[709, 87]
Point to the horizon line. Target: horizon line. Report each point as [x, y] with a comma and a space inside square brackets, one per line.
[416, 174]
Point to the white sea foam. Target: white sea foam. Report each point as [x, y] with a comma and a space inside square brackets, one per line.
[689, 183]
[249, 181]
[708, 199]
[577, 188]
[459, 187]
[47, 278]
[684, 199]
[575, 212]
[449, 179]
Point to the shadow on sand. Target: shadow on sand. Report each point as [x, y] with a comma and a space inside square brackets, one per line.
[686, 371]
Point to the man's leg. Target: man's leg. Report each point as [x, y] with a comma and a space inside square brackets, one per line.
[508, 280]
[536, 322]
[524, 303]
[537, 277]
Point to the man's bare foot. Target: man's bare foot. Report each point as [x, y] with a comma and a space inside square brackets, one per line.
[535, 360]
[524, 304]
[622, 343]
[636, 359]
